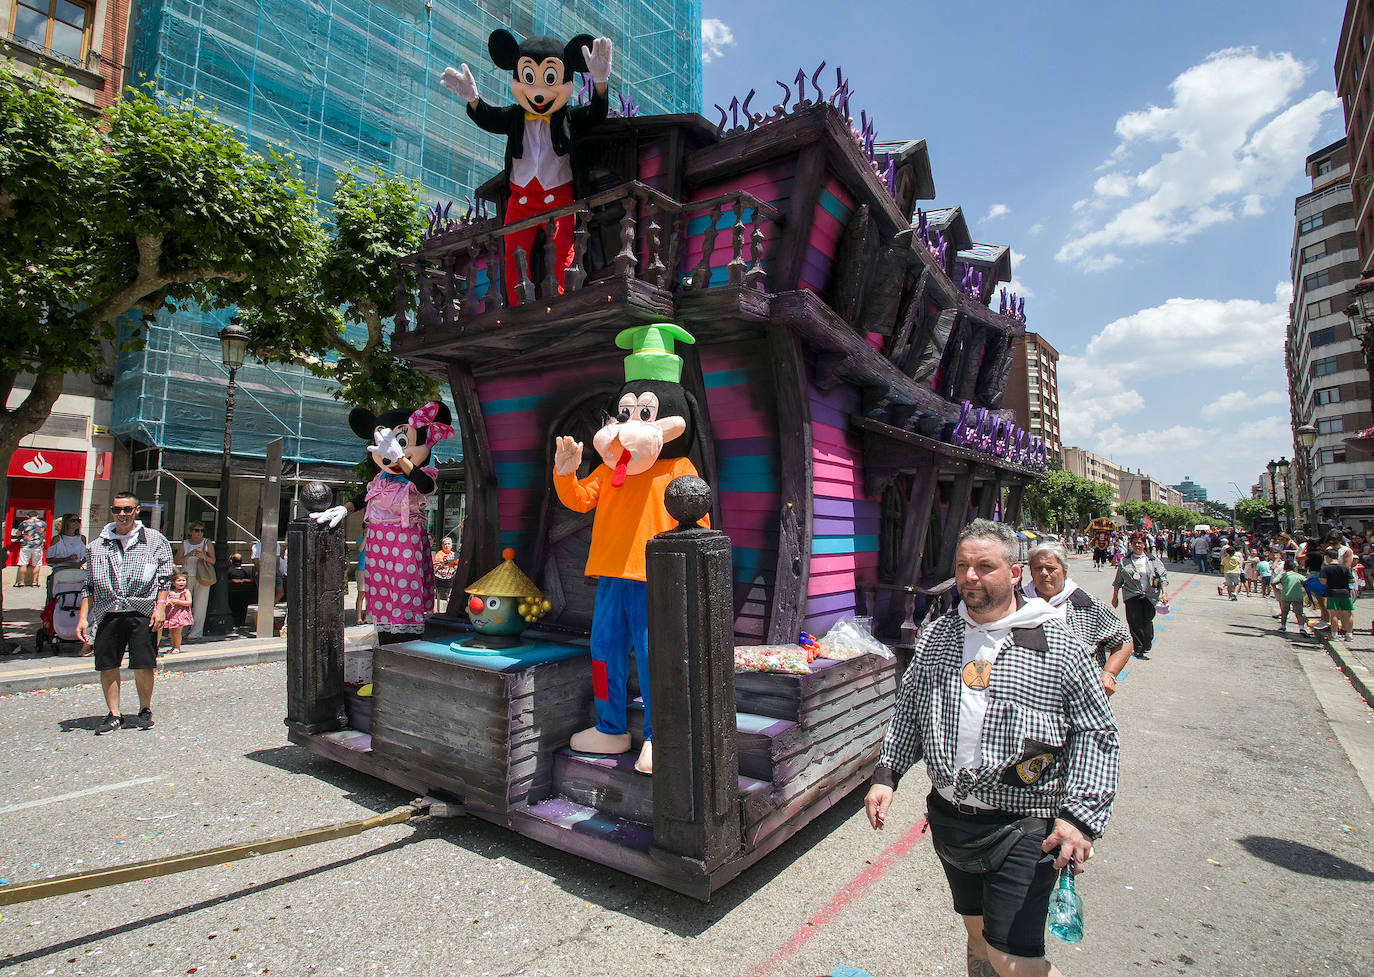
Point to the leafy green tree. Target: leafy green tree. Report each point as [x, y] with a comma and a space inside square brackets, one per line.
[153, 204]
[1092, 501]
[330, 316]
[1063, 500]
[1132, 510]
[1250, 511]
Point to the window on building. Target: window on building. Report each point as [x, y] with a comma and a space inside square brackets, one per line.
[1319, 308]
[1342, 485]
[1314, 251]
[1312, 223]
[1330, 425]
[57, 27]
[1328, 395]
[1324, 366]
[1324, 167]
[1317, 279]
[1332, 456]
[1322, 337]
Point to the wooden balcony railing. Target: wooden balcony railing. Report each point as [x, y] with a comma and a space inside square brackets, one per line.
[630, 231]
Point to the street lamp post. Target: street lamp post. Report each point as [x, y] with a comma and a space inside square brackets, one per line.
[1282, 469]
[1307, 437]
[1363, 293]
[233, 344]
[1273, 467]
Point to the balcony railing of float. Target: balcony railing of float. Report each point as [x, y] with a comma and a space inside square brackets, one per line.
[460, 274]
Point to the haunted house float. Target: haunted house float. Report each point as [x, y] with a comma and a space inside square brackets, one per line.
[849, 374]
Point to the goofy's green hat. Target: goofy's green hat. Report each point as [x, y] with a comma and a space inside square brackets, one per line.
[651, 351]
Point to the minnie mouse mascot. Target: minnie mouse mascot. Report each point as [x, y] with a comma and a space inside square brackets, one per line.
[400, 579]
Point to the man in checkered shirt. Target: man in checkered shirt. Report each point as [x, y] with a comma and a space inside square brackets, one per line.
[1003, 703]
[123, 605]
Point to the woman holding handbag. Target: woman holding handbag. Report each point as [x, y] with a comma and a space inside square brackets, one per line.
[1143, 579]
[196, 554]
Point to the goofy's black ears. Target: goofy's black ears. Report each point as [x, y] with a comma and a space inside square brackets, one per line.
[504, 49]
[572, 55]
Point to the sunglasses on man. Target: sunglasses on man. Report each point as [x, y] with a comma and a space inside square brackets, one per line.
[123, 510]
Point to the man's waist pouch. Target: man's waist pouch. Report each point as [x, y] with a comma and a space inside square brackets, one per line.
[977, 843]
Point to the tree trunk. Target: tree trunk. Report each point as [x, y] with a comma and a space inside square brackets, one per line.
[17, 424]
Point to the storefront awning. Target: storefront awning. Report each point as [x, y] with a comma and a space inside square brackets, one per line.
[48, 463]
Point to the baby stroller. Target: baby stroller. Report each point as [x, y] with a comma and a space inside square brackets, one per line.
[57, 624]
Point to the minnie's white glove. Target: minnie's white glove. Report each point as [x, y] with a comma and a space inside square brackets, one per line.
[598, 60]
[387, 446]
[331, 516]
[460, 82]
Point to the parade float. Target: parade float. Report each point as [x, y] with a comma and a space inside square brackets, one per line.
[845, 373]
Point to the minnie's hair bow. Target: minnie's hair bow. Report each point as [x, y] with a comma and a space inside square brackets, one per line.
[435, 430]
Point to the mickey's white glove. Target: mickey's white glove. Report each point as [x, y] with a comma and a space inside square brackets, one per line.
[387, 446]
[598, 60]
[460, 82]
[331, 516]
[567, 455]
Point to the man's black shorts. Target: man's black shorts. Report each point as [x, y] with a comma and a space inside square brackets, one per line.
[1012, 900]
[117, 633]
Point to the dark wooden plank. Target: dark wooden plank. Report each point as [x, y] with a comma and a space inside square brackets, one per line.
[915, 530]
[793, 566]
[479, 547]
[705, 443]
[928, 349]
[851, 268]
[864, 366]
[956, 518]
[882, 297]
[819, 797]
[806, 193]
[401, 775]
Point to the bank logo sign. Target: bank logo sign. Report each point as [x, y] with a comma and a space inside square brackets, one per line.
[38, 465]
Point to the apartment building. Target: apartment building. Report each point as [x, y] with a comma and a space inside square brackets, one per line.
[1095, 468]
[1033, 389]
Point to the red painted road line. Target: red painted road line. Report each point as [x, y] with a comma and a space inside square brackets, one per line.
[856, 886]
[1181, 587]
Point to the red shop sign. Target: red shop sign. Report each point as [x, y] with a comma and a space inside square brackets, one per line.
[47, 463]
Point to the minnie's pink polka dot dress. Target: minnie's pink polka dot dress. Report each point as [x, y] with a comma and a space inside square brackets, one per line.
[400, 569]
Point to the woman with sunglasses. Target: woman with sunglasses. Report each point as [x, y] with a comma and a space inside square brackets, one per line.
[194, 548]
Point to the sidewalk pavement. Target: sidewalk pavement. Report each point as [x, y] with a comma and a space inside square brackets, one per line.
[28, 670]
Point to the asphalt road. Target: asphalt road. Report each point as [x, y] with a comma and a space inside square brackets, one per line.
[1240, 845]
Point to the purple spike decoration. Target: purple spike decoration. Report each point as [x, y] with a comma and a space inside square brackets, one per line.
[752, 119]
[780, 110]
[720, 126]
[890, 175]
[999, 449]
[816, 82]
[800, 81]
[960, 432]
[1021, 310]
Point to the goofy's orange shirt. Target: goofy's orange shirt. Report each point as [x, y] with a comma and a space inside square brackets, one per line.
[627, 517]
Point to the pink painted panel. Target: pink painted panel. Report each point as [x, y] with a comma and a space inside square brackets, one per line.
[840, 193]
[517, 498]
[651, 165]
[834, 490]
[754, 539]
[843, 473]
[829, 583]
[747, 501]
[726, 428]
[829, 435]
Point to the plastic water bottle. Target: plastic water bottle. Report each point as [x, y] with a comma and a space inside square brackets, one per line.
[1065, 917]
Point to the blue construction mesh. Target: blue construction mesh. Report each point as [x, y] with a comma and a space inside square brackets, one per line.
[343, 84]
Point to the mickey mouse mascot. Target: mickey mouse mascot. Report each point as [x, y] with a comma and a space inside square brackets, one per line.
[400, 578]
[642, 447]
[541, 130]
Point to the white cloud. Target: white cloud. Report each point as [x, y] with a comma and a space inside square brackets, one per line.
[1235, 134]
[716, 36]
[995, 211]
[1242, 400]
[1035, 229]
[1111, 393]
[1207, 332]
[1017, 285]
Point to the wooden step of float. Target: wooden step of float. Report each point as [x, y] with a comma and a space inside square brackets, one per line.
[763, 740]
[611, 785]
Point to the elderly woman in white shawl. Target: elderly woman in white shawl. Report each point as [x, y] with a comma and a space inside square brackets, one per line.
[1091, 620]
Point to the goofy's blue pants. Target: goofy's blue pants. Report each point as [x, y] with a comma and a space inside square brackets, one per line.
[620, 619]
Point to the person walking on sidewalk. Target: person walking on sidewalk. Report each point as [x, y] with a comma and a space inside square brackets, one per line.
[123, 604]
[985, 684]
[1087, 617]
[1202, 549]
[1339, 582]
[1230, 568]
[33, 539]
[1143, 581]
[194, 550]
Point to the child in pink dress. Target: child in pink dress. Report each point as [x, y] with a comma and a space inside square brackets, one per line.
[179, 613]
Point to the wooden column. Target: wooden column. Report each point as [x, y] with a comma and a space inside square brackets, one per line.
[692, 683]
[915, 529]
[267, 544]
[956, 518]
[794, 497]
[987, 495]
[1013, 511]
[806, 194]
[966, 379]
[479, 550]
[314, 620]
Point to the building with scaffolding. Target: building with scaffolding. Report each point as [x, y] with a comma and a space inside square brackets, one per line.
[339, 84]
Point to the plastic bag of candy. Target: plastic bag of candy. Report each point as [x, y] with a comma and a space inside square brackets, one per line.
[849, 639]
[771, 658]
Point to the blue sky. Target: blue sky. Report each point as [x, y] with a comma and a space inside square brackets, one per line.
[1140, 160]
